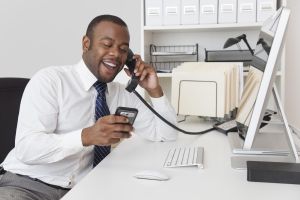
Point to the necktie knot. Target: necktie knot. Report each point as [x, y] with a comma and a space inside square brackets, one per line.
[100, 87]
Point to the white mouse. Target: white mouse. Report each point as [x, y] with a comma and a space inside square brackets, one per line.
[151, 175]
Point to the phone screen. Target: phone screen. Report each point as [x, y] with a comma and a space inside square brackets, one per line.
[130, 113]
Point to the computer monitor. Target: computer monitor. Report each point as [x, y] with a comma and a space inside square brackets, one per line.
[260, 79]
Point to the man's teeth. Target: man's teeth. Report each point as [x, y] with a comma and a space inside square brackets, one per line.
[110, 64]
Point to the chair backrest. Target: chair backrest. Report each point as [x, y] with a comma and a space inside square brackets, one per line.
[11, 90]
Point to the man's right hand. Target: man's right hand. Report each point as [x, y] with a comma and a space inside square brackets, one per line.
[106, 131]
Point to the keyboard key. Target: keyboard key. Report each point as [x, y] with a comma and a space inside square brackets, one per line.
[185, 159]
[170, 157]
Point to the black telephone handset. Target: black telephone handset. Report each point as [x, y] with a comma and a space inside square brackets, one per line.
[134, 81]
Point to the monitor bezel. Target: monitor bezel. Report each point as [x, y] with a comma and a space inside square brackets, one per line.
[268, 79]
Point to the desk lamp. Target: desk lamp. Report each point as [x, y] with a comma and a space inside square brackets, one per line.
[236, 40]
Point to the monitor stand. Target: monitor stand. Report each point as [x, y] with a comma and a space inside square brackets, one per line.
[270, 144]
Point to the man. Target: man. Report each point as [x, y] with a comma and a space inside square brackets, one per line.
[64, 119]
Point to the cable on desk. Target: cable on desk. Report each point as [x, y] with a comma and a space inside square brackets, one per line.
[166, 121]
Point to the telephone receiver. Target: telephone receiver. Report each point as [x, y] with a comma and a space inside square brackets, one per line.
[134, 81]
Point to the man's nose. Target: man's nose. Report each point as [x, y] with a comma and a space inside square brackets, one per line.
[115, 51]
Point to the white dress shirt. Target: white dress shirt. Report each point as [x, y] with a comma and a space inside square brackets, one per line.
[57, 104]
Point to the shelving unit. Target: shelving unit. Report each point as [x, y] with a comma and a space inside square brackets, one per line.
[207, 36]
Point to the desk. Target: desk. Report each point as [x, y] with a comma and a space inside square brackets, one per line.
[112, 178]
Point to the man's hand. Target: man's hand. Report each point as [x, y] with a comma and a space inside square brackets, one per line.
[147, 77]
[106, 131]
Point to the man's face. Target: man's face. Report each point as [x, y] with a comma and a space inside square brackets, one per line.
[106, 52]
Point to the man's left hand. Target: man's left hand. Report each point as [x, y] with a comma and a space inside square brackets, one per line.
[147, 77]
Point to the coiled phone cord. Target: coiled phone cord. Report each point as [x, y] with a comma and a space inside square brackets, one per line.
[166, 121]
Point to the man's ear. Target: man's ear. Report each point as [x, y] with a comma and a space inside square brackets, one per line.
[85, 43]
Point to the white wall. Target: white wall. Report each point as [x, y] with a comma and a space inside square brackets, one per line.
[38, 33]
[292, 80]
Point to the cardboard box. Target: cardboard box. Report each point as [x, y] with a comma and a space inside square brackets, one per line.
[153, 12]
[227, 11]
[208, 12]
[246, 11]
[171, 12]
[190, 12]
[265, 9]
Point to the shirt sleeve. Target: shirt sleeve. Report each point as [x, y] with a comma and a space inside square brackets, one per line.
[36, 141]
[150, 126]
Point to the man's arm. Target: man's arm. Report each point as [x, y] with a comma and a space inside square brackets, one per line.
[147, 123]
[36, 140]
[150, 126]
[44, 136]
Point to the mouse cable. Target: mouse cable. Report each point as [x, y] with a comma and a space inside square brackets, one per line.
[166, 121]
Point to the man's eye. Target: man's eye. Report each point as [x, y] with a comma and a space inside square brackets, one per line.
[124, 50]
[107, 44]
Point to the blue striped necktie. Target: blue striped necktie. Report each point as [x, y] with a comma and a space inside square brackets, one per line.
[101, 110]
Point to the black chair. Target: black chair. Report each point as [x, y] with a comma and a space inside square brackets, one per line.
[11, 90]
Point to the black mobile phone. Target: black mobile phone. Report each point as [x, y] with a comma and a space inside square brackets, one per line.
[130, 113]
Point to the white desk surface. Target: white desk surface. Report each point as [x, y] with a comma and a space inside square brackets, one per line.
[113, 177]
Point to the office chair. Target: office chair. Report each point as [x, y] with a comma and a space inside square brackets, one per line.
[11, 90]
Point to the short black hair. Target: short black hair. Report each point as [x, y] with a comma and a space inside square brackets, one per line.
[101, 18]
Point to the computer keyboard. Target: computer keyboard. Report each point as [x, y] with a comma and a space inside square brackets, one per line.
[184, 157]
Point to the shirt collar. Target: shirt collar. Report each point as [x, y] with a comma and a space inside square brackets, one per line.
[87, 77]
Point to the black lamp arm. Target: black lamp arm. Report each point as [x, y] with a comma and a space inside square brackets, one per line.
[243, 37]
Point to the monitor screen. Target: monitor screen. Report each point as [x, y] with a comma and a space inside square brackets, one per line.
[260, 79]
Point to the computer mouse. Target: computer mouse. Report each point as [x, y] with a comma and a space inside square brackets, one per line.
[152, 175]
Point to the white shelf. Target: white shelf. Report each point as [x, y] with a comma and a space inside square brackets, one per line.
[203, 27]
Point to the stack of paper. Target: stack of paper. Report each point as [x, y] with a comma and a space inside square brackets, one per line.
[249, 96]
[211, 89]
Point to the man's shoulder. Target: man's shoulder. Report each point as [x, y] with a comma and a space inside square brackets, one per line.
[56, 69]
[52, 76]
[54, 72]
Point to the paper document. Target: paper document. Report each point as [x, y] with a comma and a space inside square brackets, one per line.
[210, 89]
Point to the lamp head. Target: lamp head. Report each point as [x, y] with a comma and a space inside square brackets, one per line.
[264, 45]
[232, 41]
